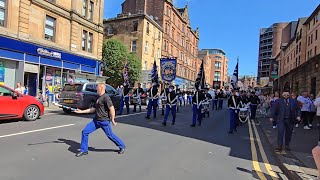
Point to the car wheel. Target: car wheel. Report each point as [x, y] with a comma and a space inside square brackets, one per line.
[66, 110]
[31, 113]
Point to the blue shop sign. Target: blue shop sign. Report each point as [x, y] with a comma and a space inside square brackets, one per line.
[17, 46]
[178, 81]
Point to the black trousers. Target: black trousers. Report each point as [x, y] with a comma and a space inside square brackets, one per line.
[311, 116]
[285, 129]
[305, 117]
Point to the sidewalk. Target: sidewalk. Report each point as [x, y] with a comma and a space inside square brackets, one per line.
[299, 161]
[52, 109]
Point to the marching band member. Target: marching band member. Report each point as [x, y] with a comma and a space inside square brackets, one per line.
[233, 104]
[171, 105]
[208, 98]
[197, 100]
[137, 95]
[164, 93]
[153, 100]
[125, 98]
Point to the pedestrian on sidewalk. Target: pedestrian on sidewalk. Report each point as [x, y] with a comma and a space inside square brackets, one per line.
[313, 109]
[317, 104]
[233, 104]
[316, 150]
[285, 111]
[104, 113]
[305, 110]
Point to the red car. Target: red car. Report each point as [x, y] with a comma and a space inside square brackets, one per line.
[15, 105]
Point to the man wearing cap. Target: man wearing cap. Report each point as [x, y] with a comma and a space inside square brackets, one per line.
[171, 105]
[197, 100]
[137, 93]
[254, 102]
[164, 93]
[125, 98]
[285, 112]
[153, 100]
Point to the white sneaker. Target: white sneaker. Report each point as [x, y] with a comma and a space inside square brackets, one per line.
[306, 127]
[310, 125]
[297, 125]
[274, 127]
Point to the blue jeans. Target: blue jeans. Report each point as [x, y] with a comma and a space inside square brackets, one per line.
[285, 129]
[253, 109]
[153, 103]
[215, 104]
[122, 102]
[106, 127]
[173, 109]
[197, 115]
[233, 119]
[220, 103]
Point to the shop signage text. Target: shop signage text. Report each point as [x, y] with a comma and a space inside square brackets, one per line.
[49, 53]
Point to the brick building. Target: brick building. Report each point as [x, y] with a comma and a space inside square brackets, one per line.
[50, 42]
[299, 58]
[179, 39]
[142, 36]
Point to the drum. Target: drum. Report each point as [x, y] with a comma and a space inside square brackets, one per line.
[135, 99]
[243, 113]
[205, 107]
[164, 100]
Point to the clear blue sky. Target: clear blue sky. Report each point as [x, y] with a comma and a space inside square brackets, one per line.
[233, 25]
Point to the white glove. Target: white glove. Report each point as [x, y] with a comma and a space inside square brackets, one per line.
[298, 118]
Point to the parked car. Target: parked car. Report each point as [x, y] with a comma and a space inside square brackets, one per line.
[144, 97]
[15, 105]
[84, 95]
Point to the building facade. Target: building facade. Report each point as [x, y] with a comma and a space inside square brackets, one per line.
[217, 68]
[142, 36]
[247, 83]
[179, 39]
[269, 46]
[50, 42]
[299, 59]
[207, 64]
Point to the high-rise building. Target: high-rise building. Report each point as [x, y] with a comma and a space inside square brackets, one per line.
[178, 40]
[142, 36]
[218, 67]
[50, 42]
[269, 46]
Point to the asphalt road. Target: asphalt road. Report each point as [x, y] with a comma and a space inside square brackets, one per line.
[45, 150]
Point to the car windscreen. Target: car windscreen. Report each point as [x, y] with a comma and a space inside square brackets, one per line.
[73, 87]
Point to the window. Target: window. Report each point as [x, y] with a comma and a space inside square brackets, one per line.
[182, 42]
[5, 91]
[84, 8]
[158, 53]
[2, 12]
[181, 56]
[91, 88]
[172, 50]
[317, 18]
[90, 11]
[217, 75]
[135, 26]
[145, 65]
[159, 36]
[316, 35]
[315, 50]
[299, 46]
[309, 41]
[84, 40]
[51, 1]
[218, 58]
[183, 28]
[148, 28]
[134, 46]
[165, 45]
[50, 28]
[146, 47]
[174, 19]
[90, 42]
[172, 33]
[217, 65]
[311, 38]
[110, 30]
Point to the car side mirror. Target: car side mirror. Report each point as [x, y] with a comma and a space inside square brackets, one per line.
[14, 95]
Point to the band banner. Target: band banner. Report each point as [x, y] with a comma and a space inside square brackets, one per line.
[168, 69]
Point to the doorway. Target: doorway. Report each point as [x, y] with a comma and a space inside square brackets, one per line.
[30, 81]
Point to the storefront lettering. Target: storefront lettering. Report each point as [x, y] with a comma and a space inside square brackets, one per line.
[2, 72]
[46, 52]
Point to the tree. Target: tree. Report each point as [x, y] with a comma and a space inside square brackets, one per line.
[115, 54]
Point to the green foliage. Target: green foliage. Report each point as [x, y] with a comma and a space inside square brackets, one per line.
[115, 55]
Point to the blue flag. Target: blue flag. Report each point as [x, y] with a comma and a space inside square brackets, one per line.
[168, 69]
[125, 74]
[234, 78]
[201, 79]
[154, 74]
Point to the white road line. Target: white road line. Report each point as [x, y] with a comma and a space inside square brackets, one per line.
[27, 132]
[131, 114]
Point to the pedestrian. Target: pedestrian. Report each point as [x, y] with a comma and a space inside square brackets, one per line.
[274, 97]
[317, 104]
[233, 104]
[215, 100]
[305, 110]
[26, 91]
[137, 97]
[125, 99]
[19, 88]
[212, 93]
[153, 100]
[285, 111]
[313, 110]
[220, 100]
[104, 113]
[171, 105]
[197, 100]
[254, 101]
[208, 99]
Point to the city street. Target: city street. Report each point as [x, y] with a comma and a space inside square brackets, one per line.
[45, 149]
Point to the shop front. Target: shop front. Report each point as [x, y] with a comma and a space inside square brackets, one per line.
[38, 67]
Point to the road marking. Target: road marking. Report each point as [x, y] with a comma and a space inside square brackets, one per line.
[263, 154]
[255, 161]
[38, 130]
[131, 114]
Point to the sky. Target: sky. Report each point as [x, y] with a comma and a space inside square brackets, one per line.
[233, 25]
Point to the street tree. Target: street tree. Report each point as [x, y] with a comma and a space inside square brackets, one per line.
[114, 55]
